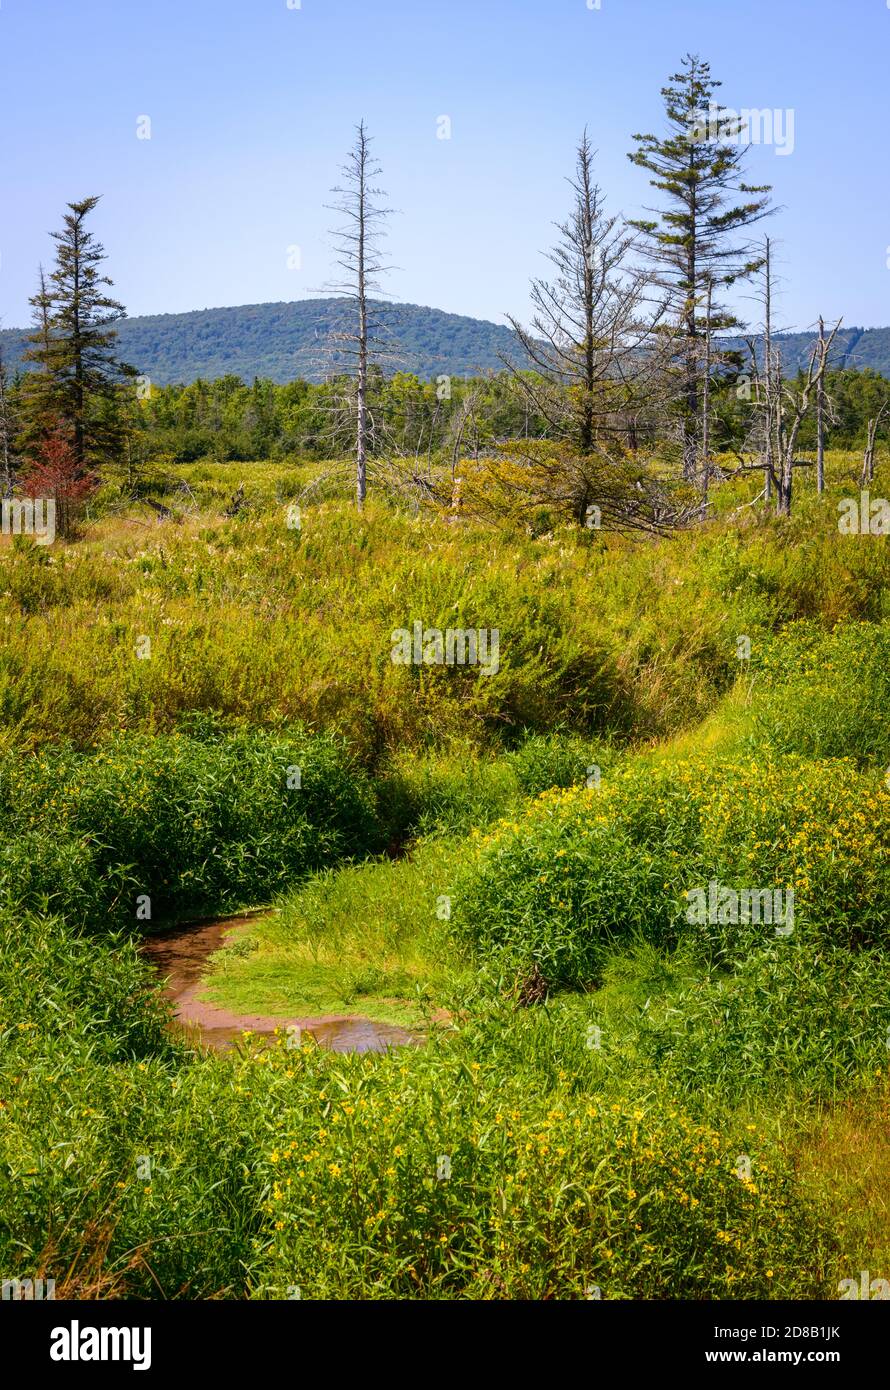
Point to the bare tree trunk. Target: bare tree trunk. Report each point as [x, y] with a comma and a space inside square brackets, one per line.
[868, 463]
[706, 398]
[785, 445]
[820, 417]
[586, 214]
[787, 438]
[360, 258]
[777, 447]
[6, 430]
[361, 441]
[768, 368]
[465, 414]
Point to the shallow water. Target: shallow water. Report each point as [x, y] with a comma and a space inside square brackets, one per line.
[180, 958]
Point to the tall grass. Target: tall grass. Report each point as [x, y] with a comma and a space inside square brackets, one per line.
[274, 626]
[130, 1169]
[576, 1120]
[180, 822]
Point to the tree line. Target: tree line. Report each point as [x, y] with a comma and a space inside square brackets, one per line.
[228, 419]
[636, 386]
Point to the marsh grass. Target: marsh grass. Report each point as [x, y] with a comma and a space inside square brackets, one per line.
[275, 626]
[363, 939]
[593, 1137]
[843, 1159]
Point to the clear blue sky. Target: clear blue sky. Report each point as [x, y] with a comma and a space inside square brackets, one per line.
[253, 105]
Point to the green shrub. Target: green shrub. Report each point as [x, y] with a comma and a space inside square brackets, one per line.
[456, 789]
[447, 792]
[788, 1019]
[193, 823]
[43, 872]
[132, 1180]
[122, 1166]
[441, 1177]
[66, 997]
[584, 868]
[560, 759]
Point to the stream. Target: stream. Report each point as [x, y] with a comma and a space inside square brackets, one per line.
[180, 958]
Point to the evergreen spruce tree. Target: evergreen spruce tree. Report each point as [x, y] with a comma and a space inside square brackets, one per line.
[695, 240]
[78, 379]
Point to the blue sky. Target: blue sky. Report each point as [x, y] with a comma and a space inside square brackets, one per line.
[253, 104]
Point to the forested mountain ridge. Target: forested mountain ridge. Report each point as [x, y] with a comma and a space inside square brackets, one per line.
[856, 348]
[299, 339]
[284, 341]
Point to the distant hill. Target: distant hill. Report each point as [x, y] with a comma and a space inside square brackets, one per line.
[853, 347]
[288, 340]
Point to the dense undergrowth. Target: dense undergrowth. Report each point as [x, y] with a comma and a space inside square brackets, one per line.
[615, 1097]
[276, 627]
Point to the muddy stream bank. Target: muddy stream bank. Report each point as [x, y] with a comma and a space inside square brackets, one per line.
[180, 958]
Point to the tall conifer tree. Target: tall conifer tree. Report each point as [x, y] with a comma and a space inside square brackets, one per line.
[78, 377]
[695, 240]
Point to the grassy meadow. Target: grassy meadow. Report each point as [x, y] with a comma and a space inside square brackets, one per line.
[611, 1100]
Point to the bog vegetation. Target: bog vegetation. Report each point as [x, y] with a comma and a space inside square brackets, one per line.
[626, 1101]
[613, 1097]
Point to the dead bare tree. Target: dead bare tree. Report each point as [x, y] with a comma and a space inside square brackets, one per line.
[784, 407]
[769, 398]
[868, 461]
[357, 244]
[465, 415]
[792, 407]
[766, 378]
[781, 406]
[593, 354]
